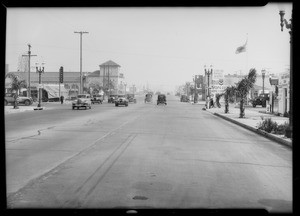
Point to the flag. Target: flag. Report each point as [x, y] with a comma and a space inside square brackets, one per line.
[241, 48]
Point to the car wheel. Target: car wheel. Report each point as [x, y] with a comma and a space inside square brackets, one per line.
[78, 108]
[254, 105]
[73, 107]
[27, 103]
[116, 104]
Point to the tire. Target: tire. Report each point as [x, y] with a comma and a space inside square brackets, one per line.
[73, 107]
[116, 105]
[254, 105]
[126, 105]
[27, 103]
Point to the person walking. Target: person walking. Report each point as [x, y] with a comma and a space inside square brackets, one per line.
[62, 99]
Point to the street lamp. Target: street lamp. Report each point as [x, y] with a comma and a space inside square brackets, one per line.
[289, 26]
[40, 70]
[208, 72]
[263, 73]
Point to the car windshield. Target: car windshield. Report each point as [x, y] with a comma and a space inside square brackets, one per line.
[196, 109]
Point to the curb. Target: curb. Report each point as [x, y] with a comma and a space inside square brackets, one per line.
[260, 132]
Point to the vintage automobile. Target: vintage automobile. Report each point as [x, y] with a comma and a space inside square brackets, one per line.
[83, 100]
[161, 99]
[260, 100]
[121, 100]
[9, 98]
[131, 98]
[184, 98]
[97, 99]
[112, 98]
[148, 98]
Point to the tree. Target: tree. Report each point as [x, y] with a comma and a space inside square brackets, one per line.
[16, 85]
[242, 89]
[229, 95]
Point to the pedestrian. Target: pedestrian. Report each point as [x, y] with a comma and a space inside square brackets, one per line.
[211, 105]
[62, 99]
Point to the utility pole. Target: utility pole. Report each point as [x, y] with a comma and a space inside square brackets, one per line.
[29, 55]
[81, 32]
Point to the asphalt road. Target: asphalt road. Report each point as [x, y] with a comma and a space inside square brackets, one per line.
[142, 156]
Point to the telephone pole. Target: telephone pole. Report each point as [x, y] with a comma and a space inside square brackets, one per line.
[29, 55]
[81, 32]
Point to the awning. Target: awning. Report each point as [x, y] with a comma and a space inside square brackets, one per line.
[53, 90]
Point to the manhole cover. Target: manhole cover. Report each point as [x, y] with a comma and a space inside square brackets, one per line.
[140, 198]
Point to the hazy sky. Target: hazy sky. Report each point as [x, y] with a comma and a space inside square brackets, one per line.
[161, 46]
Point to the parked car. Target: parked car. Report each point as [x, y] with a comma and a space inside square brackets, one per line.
[184, 98]
[131, 98]
[161, 99]
[112, 98]
[97, 99]
[83, 100]
[122, 100]
[9, 98]
[260, 100]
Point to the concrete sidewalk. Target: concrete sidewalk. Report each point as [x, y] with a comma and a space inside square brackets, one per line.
[252, 120]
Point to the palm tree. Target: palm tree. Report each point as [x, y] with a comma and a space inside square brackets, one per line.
[229, 95]
[16, 85]
[243, 87]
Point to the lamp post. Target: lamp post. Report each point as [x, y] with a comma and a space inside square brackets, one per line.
[40, 70]
[208, 72]
[289, 26]
[263, 73]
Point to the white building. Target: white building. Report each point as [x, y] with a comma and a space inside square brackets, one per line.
[284, 92]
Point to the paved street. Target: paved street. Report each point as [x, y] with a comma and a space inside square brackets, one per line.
[142, 156]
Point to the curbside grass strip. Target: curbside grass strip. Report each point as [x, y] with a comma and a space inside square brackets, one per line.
[263, 133]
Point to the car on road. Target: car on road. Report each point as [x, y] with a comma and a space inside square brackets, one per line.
[83, 100]
[161, 99]
[9, 98]
[184, 98]
[112, 98]
[131, 98]
[148, 98]
[97, 99]
[121, 100]
[260, 100]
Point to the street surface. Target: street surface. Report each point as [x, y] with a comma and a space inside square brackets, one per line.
[142, 156]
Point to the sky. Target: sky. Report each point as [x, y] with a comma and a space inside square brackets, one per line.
[162, 46]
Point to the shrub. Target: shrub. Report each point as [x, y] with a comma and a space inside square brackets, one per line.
[268, 125]
[272, 127]
[282, 128]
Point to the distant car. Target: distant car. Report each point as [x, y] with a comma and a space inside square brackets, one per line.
[121, 101]
[9, 98]
[83, 100]
[112, 98]
[97, 99]
[184, 98]
[260, 100]
[161, 99]
[131, 98]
